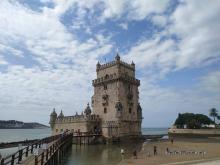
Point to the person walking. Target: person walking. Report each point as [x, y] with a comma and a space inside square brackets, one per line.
[135, 154]
[155, 150]
[122, 154]
[172, 140]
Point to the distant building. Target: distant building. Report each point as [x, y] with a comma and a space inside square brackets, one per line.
[116, 111]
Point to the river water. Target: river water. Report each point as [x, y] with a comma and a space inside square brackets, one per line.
[79, 155]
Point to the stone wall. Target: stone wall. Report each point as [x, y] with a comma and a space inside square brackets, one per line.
[196, 132]
[75, 123]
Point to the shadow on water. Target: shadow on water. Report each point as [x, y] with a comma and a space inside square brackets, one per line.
[100, 154]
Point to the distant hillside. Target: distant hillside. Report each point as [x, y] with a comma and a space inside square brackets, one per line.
[13, 124]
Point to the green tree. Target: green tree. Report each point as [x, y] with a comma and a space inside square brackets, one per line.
[218, 117]
[213, 113]
[193, 121]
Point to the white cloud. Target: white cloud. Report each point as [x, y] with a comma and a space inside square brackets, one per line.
[134, 10]
[49, 46]
[114, 8]
[197, 24]
[142, 8]
[154, 55]
[124, 26]
[10, 50]
[159, 20]
[3, 61]
[197, 44]
[211, 82]
[66, 65]
[160, 101]
[39, 91]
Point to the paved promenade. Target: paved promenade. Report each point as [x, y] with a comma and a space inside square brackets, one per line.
[216, 162]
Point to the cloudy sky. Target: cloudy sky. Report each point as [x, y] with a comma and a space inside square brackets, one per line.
[49, 49]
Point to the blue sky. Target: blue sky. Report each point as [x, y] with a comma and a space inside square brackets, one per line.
[49, 50]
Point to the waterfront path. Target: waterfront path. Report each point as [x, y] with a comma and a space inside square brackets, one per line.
[48, 149]
[190, 151]
[31, 159]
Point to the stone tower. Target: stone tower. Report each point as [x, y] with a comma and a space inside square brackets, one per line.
[53, 117]
[116, 99]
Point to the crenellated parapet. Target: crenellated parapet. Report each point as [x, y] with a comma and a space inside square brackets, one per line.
[114, 77]
[78, 118]
[116, 62]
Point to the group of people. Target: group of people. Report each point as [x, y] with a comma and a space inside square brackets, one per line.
[155, 151]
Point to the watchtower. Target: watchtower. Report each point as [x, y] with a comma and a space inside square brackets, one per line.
[116, 98]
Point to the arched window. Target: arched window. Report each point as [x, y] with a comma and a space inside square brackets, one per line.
[129, 110]
[105, 110]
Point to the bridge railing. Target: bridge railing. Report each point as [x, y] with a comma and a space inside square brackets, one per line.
[87, 133]
[18, 156]
[54, 154]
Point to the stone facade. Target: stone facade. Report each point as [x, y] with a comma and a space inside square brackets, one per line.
[86, 122]
[115, 103]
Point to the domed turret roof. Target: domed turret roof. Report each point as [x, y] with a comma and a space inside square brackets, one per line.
[139, 107]
[132, 63]
[61, 114]
[98, 64]
[88, 110]
[53, 113]
[117, 57]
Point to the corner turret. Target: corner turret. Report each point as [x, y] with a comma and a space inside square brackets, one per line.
[139, 112]
[61, 114]
[98, 65]
[53, 117]
[117, 58]
[88, 110]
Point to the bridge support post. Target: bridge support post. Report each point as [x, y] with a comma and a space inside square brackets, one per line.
[20, 152]
[36, 160]
[42, 158]
[12, 159]
[26, 153]
[2, 161]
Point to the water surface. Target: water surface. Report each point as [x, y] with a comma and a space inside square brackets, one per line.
[86, 155]
[10, 135]
[100, 154]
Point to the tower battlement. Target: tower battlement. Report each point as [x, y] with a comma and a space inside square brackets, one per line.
[113, 77]
[113, 63]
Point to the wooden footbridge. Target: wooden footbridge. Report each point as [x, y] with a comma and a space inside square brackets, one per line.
[48, 151]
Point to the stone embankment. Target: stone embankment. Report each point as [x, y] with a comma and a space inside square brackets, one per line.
[194, 132]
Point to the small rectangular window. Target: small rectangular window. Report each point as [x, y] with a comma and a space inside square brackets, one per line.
[105, 110]
[105, 87]
[129, 110]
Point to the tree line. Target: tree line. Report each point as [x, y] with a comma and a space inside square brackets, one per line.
[196, 121]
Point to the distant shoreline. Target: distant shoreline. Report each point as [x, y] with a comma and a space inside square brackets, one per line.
[14, 124]
[28, 128]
